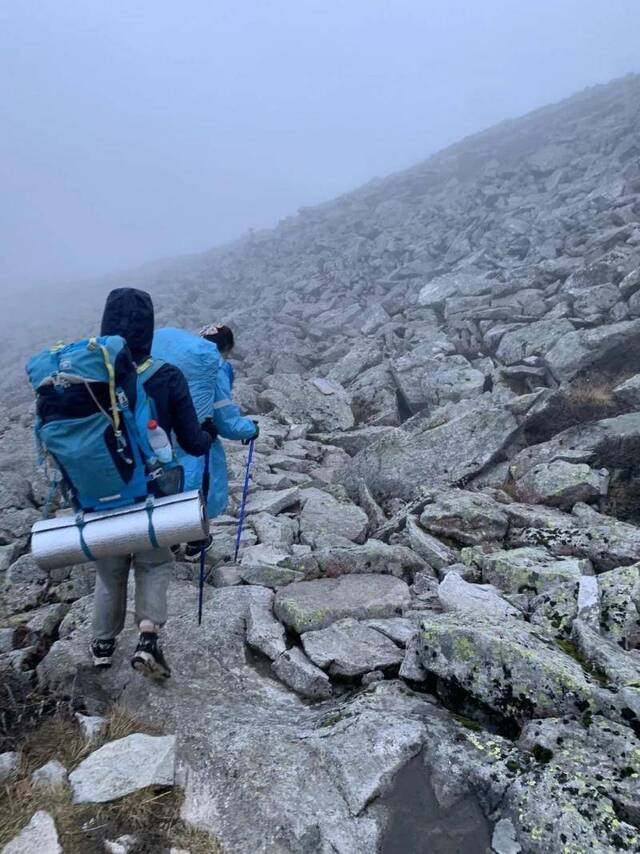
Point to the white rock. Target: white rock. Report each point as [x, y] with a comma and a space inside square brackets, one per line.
[263, 555]
[124, 766]
[9, 764]
[351, 648]
[122, 845]
[278, 531]
[273, 501]
[325, 386]
[629, 391]
[295, 670]
[589, 600]
[323, 516]
[411, 667]
[51, 775]
[91, 726]
[456, 594]
[264, 632]
[504, 838]
[39, 836]
[437, 554]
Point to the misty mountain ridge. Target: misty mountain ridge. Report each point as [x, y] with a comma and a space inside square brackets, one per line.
[445, 213]
[439, 577]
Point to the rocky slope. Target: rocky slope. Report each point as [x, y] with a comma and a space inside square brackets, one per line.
[440, 567]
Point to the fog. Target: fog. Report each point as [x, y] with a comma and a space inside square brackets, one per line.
[133, 131]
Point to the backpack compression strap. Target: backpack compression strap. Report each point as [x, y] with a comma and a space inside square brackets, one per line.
[115, 411]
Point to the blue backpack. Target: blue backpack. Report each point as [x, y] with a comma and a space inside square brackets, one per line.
[199, 361]
[92, 420]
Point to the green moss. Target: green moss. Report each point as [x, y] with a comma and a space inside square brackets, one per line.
[465, 649]
[330, 720]
[569, 649]
[468, 723]
[542, 754]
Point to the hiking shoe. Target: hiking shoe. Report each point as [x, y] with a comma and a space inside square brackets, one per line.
[102, 652]
[192, 550]
[148, 658]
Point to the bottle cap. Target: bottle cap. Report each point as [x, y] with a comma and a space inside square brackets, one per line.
[152, 424]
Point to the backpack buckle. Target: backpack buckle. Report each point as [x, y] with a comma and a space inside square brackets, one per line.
[60, 382]
[121, 446]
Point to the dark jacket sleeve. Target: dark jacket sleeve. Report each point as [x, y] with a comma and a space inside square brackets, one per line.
[184, 421]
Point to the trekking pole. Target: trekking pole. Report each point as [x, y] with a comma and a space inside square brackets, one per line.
[205, 492]
[245, 494]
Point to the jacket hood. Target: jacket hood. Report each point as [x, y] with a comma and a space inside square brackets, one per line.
[129, 312]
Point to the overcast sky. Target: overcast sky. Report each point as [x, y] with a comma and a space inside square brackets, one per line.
[138, 129]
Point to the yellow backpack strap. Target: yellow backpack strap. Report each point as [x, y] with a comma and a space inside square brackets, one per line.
[144, 366]
[115, 412]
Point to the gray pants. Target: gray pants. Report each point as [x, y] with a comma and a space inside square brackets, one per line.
[153, 569]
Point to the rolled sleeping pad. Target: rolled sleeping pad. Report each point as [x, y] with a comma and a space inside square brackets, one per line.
[175, 519]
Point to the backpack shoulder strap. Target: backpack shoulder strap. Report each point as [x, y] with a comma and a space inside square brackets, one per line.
[147, 369]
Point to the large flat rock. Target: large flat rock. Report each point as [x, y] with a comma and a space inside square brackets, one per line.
[456, 594]
[351, 648]
[323, 404]
[466, 517]
[124, 766]
[584, 348]
[323, 517]
[312, 605]
[503, 663]
[301, 675]
[401, 463]
[605, 656]
[272, 501]
[372, 557]
[561, 484]
[529, 570]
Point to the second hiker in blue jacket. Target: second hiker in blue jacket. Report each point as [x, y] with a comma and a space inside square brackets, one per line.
[229, 422]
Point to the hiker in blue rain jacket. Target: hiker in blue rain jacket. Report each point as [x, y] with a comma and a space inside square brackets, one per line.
[230, 424]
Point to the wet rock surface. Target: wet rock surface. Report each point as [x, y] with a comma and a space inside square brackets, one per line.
[439, 573]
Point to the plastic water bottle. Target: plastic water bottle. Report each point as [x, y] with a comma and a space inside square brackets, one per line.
[159, 442]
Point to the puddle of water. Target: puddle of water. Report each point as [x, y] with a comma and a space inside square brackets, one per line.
[418, 825]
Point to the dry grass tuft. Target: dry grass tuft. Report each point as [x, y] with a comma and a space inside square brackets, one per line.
[20, 799]
[122, 723]
[58, 738]
[21, 708]
[596, 392]
[587, 399]
[152, 815]
[623, 498]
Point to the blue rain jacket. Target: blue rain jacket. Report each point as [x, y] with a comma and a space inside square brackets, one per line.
[210, 381]
[231, 424]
